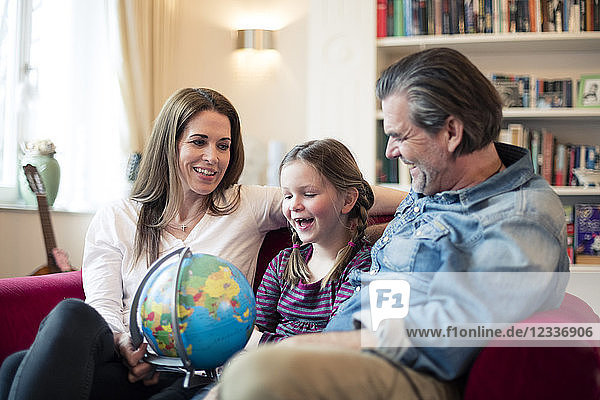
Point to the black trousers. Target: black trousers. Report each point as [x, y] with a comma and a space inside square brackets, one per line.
[73, 357]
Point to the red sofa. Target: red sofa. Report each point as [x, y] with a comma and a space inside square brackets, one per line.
[498, 372]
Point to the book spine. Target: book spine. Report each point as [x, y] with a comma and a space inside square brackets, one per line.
[437, 4]
[416, 21]
[390, 18]
[523, 15]
[566, 15]
[408, 28]
[535, 151]
[423, 21]
[570, 233]
[489, 16]
[571, 151]
[547, 156]
[590, 157]
[430, 12]
[589, 21]
[596, 15]
[560, 165]
[481, 17]
[399, 18]
[381, 18]
[582, 156]
[446, 17]
[533, 15]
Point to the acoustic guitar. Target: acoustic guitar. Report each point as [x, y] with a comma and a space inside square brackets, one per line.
[56, 259]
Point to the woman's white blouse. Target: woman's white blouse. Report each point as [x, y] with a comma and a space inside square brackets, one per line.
[111, 275]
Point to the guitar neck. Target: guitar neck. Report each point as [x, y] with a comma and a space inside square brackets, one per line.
[47, 231]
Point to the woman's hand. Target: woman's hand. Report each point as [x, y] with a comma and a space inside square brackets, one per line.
[133, 360]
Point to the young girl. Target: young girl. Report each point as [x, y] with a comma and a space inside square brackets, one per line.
[325, 202]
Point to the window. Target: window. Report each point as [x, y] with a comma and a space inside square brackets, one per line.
[63, 86]
[13, 39]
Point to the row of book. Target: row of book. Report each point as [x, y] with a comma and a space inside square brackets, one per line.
[536, 92]
[553, 160]
[436, 17]
[583, 233]
[527, 91]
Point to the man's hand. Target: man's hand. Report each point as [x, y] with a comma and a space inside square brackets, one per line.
[133, 359]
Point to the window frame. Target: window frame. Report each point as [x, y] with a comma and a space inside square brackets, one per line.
[17, 75]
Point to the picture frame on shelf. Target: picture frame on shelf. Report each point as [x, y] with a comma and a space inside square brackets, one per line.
[589, 91]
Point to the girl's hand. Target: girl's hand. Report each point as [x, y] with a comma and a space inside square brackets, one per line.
[133, 359]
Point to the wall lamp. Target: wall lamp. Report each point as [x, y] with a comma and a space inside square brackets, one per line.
[257, 39]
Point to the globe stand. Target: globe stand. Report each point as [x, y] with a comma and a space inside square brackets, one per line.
[172, 364]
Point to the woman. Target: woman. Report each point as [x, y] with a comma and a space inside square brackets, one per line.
[186, 194]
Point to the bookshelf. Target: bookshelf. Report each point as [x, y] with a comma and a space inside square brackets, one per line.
[551, 55]
[543, 54]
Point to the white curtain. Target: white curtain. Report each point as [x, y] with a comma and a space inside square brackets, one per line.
[146, 37]
[77, 103]
[98, 79]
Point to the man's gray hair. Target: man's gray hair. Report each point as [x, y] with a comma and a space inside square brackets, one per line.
[442, 82]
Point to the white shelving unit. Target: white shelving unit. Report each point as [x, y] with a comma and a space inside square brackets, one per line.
[542, 54]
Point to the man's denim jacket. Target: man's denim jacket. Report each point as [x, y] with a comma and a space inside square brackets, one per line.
[512, 222]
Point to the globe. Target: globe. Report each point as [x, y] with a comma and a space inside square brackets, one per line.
[212, 304]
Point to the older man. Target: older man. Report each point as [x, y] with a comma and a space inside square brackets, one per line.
[475, 206]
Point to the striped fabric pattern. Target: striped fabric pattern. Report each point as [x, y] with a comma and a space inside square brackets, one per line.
[283, 310]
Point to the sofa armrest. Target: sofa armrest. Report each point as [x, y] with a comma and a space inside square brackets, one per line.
[25, 301]
[540, 372]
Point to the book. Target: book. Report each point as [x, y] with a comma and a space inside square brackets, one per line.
[570, 232]
[390, 18]
[553, 93]
[470, 23]
[547, 156]
[513, 89]
[560, 165]
[536, 150]
[587, 233]
[572, 155]
[381, 18]
[399, 18]
[591, 157]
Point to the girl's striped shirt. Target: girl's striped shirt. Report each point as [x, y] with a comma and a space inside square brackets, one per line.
[284, 310]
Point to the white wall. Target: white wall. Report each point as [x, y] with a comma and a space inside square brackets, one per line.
[22, 242]
[269, 89]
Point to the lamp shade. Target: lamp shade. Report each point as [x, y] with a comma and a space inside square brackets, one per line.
[258, 39]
